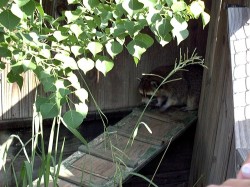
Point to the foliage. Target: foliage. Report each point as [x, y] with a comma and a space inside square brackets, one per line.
[58, 50]
[54, 48]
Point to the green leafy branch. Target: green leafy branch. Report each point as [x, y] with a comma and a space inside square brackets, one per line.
[89, 37]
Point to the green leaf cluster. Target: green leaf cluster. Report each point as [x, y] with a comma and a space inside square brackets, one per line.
[86, 38]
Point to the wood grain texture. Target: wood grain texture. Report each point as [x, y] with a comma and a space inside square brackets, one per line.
[213, 154]
[17, 103]
[98, 163]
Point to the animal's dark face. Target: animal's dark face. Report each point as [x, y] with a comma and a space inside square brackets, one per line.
[147, 88]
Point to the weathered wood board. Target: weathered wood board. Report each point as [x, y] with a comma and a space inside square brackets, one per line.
[111, 155]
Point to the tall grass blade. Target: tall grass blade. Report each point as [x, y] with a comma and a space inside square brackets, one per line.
[48, 157]
[28, 168]
[143, 177]
[75, 132]
[59, 162]
[161, 160]
[14, 174]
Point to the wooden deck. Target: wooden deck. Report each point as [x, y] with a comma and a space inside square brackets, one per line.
[109, 156]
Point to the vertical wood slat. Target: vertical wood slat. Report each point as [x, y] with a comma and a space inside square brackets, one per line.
[17, 103]
[213, 147]
[209, 105]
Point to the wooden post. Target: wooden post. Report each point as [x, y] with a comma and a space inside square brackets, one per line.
[214, 148]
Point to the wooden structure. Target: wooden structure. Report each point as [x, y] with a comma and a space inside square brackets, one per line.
[110, 155]
[214, 149]
[116, 91]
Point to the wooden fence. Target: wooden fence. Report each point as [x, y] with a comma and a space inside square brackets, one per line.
[116, 91]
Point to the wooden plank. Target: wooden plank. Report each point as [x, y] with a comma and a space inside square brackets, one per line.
[90, 171]
[214, 131]
[111, 154]
[219, 167]
[106, 155]
[231, 169]
[140, 138]
[161, 124]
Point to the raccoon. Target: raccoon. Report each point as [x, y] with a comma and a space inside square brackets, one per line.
[182, 89]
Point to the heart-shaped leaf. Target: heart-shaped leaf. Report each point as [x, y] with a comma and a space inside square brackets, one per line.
[169, 2]
[48, 84]
[45, 53]
[49, 110]
[82, 108]
[77, 50]
[145, 39]
[74, 80]
[73, 119]
[136, 48]
[39, 101]
[95, 47]
[178, 6]
[76, 29]
[196, 9]
[86, 64]
[5, 52]
[82, 94]
[178, 23]
[28, 65]
[205, 18]
[104, 65]
[113, 48]
[163, 27]
[68, 62]
[60, 36]
[89, 4]
[180, 35]
[21, 3]
[73, 15]
[148, 3]
[8, 19]
[12, 78]
[132, 6]
[29, 8]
